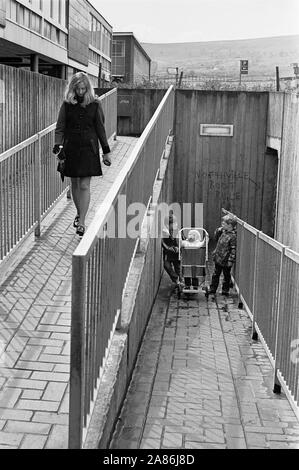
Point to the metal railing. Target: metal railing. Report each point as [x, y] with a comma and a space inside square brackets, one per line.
[101, 264]
[267, 278]
[30, 184]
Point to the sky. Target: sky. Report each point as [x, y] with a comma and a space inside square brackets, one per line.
[159, 21]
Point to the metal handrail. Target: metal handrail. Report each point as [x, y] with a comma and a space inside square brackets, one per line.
[100, 267]
[29, 183]
[271, 277]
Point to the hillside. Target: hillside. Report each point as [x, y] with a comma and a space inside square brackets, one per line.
[220, 58]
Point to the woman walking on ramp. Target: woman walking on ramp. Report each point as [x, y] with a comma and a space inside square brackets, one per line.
[80, 125]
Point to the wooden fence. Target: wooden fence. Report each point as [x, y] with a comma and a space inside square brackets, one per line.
[287, 231]
[216, 170]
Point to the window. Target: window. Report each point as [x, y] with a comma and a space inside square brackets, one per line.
[47, 30]
[13, 11]
[118, 48]
[26, 18]
[20, 14]
[35, 23]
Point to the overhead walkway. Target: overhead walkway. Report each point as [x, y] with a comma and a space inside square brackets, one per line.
[201, 382]
[35, 315]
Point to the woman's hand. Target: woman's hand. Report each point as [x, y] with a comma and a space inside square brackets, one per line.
[106, 159]
[57, 148]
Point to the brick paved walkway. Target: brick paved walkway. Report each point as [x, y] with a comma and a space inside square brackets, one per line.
[35, 308]
[200, 382]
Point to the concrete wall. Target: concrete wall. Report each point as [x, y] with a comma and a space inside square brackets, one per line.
[135, 109]
[142, 287]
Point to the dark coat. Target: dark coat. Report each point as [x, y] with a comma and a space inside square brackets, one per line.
[79, 129]
[225, 251]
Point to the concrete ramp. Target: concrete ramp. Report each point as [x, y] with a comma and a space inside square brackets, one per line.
[201, 382]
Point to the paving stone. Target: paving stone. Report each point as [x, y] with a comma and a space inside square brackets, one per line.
[50, 376]
[9, 397]
[256, 439]
[54, 391]
[32, 394]
[54, 358]
[263, 429]
[281, 445]
[232, 430]
[235, 443]
[35, 366]
[172, 440]
[58, 438]
[17, 344]
[152, 432]
[282, 437]
[49, 318]
[10, 438]
[26, 383]
[48, 343]
[41, 405]
[214, 435]
[51, 418]
[64, 407]
[15, 414]
[55, 329]
[62, 368]
[61, 336]
[26, 427]
[32, 441]
[52, 350]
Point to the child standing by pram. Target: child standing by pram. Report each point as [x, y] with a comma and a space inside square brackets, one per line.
[224, 255]
[170, 245]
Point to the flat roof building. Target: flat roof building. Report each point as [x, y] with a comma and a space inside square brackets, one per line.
[130, 62]
[55, 37]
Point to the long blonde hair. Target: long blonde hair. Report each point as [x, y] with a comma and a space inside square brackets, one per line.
[75, 81]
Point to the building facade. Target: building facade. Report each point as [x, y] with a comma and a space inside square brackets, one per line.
[130, 62]
[56, 37]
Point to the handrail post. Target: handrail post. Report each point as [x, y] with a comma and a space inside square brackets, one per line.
[38, 188]
[254, 293]
[77, 353]
[277, 385]
[240, 303]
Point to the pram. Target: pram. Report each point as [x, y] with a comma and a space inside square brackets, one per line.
[193, 258]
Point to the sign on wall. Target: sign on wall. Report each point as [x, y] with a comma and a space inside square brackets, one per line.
[244, 67]
[223, 130]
